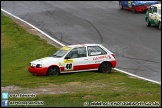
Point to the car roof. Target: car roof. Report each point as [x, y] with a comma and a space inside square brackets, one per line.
[81, 45]
[157, 5]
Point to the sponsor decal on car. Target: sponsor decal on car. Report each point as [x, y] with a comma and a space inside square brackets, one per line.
[59, 63]
[102, 57]
[155, 16]
[65, 48]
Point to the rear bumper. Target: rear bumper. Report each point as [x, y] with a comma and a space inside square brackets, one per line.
[37, 71]
[113, 63]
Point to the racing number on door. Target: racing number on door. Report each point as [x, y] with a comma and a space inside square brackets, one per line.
[69, 66]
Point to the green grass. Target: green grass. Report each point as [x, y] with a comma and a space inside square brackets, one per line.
[18, 48]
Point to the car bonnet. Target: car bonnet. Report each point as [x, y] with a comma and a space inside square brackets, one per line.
[46, 60]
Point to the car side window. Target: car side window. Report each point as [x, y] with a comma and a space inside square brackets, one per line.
[82, 52]
[77, 53]
[150, 10]
[96, 50]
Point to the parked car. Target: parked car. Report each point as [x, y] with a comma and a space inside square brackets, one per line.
[153, 16]
[75, 58]
[136, 6]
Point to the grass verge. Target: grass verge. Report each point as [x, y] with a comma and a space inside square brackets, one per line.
[18, 48]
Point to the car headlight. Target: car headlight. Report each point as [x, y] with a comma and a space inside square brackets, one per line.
[39, 65]
[32, 64]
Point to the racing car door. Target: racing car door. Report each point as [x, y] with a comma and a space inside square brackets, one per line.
[76, 59]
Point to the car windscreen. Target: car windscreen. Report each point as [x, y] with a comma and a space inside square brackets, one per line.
[61, 52]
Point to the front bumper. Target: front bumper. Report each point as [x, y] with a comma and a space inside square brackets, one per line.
[37, 71]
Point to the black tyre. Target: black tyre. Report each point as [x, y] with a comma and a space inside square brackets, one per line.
[120, 5]
[105, 67]
[147, 22]
[133, 9]
[159, 25]
[53, 71]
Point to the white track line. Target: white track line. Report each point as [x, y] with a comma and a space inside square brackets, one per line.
[137, 76]
[64, 45]
[33, 27]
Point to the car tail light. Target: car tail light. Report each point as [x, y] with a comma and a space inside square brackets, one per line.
[113, 55]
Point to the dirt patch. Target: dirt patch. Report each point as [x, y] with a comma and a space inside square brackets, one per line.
[89, 97]
[72, 84]
[70, 87]
[120, 89]
[49, 89]
[10, 88]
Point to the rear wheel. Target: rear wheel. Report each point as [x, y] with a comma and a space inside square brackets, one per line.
[159, 25]
[105, 67]
[147, 22]
[53, 71]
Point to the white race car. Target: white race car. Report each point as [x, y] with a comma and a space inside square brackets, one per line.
[153, 16]
[75, 58]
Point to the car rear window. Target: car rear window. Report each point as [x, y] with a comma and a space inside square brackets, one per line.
[95, 50]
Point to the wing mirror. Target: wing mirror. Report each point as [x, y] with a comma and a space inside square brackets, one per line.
[67, 57]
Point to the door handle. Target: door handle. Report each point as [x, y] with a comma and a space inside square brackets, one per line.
[85, 59]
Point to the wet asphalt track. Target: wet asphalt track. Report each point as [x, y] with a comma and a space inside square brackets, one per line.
[137, 47]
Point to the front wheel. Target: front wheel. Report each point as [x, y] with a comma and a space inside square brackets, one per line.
[105, 67]
[53, 71]
[159, 26]
[148, 23]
